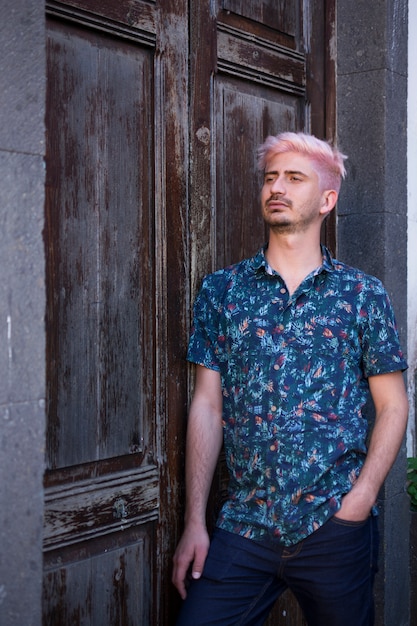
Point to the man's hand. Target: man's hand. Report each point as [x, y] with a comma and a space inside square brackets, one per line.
[391, 412]
[356, 506]
[192, 549]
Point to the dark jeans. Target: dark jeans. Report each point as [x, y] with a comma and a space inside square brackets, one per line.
[331, 574]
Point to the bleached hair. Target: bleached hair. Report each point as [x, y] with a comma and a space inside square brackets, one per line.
[329, 161]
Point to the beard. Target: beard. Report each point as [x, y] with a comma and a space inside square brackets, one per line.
[289, 221]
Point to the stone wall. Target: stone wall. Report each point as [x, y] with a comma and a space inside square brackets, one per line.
[372, 219]
[22, 307]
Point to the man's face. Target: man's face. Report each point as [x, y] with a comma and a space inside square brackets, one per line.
[291, 198]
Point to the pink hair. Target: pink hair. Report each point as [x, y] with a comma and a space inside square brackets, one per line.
[328, 160]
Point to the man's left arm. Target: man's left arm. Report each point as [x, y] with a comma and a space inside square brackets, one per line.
[391, 412]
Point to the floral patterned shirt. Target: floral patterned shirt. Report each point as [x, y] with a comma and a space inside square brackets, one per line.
[294, 375]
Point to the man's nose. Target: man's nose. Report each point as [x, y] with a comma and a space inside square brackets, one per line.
[278, 186]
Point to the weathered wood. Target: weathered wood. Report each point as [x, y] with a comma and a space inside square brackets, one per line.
[102, 252]
[131, 19]
[105, 582]
[90, 508]
[102, 481]
[321, 86]
[259, 60]
[279, 15]
[203, 66]
[172, 289]
[244, 117]
[269, 19]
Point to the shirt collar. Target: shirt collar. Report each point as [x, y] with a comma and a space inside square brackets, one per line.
[259, 261]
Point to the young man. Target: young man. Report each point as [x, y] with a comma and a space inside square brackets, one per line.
[288, 344]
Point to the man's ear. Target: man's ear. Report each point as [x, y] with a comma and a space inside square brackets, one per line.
[329, 201]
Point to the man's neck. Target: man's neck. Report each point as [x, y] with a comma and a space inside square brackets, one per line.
[293, 258]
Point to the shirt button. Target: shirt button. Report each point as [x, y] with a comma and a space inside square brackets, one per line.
[273, 407]
[276, 367]
[283, 290]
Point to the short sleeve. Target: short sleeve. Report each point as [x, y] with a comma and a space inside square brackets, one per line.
[203, 345]
[381, 347]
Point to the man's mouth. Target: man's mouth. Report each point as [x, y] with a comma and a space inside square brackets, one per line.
[277, 203]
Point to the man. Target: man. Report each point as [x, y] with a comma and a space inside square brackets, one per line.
[288, 344]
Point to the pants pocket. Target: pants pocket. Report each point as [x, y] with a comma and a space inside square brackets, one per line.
[219, 558]
[348, 523]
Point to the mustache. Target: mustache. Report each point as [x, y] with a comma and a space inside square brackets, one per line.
[277, 197]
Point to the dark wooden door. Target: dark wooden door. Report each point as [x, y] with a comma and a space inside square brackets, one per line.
[117, 307]
[154, 112]
[257, 68]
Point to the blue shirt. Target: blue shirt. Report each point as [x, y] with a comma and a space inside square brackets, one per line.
[294, 375]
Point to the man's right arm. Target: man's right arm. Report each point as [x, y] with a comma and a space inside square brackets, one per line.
[204, 442]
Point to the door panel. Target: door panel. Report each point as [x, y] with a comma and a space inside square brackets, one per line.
[276, 14]
[244, 116]
[101, 321]
[102, 584]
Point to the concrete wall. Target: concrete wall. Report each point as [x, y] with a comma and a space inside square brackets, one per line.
[22, 306]
[372, 218]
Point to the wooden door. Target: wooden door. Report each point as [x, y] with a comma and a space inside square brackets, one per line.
[117, 307]
[154, 112]
[257, 68]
